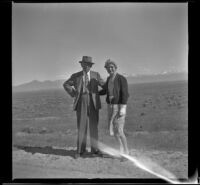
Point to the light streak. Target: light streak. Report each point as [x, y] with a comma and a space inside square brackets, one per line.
[148, 165]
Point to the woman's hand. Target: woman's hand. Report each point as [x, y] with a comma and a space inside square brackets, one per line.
[122, 110]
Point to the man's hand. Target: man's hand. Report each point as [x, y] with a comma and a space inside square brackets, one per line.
[73, 92]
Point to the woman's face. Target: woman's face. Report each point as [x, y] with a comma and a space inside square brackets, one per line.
[111, 69]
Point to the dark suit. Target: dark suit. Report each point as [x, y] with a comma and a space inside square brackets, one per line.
[86, 106]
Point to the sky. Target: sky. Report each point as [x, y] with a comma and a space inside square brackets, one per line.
[49, 39]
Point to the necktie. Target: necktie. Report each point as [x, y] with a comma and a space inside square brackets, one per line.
[86, 90]
[86, 81]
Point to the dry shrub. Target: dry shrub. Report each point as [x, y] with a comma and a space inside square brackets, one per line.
[28, 130]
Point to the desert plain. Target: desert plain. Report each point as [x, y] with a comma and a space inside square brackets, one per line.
[44, 134]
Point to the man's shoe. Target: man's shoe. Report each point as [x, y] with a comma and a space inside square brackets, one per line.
[82, 154]
[77, 155]
[97, 153]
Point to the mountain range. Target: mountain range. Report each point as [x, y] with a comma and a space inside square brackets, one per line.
[132, 79]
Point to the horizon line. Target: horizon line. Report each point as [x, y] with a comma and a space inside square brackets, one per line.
[126, 75]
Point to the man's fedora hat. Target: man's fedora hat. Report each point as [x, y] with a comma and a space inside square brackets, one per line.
[86, 59]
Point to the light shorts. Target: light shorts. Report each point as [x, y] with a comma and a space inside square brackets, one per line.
[116, 122]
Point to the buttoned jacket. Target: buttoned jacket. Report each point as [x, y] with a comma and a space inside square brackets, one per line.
[74, 84]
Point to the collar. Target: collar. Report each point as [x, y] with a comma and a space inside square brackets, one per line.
[88, 73]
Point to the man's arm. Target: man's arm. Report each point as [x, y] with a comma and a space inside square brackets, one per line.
[103, 91]
[103, 85]
[69, 86]
[101, 82]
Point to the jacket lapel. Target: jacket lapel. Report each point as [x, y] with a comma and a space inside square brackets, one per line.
[92, 75]
[115, 80]
[92, 82]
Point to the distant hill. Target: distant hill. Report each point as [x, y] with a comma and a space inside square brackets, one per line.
[38, 85]
[45, 85]
[157, 78]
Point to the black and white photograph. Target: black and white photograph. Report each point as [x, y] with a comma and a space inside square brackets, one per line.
[100, 90]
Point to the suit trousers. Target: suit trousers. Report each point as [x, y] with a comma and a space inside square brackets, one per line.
[87, 116]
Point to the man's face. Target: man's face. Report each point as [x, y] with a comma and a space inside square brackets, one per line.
[111, 69]
[86, 66]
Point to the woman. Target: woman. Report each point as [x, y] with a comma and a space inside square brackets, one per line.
[116, 89]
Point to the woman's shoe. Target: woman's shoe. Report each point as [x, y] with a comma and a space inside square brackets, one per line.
[123, 159]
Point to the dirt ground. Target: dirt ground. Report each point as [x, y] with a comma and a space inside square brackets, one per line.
[36, 162]
[44, 134]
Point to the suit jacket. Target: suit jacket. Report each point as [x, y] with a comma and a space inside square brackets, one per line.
[120, 91]
[74, 87]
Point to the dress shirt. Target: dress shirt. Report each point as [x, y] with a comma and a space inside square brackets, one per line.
[84, 73]
[84, 76]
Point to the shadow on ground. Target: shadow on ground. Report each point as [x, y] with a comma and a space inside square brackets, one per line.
[53, 151]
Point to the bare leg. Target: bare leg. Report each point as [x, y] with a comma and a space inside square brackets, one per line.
[121, 148]
[122, 138]
[124, 143]
[112, 112]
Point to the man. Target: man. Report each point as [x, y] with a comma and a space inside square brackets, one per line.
[83, 86]
[116, 89]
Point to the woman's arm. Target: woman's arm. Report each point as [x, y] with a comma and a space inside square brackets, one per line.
[124, 90]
